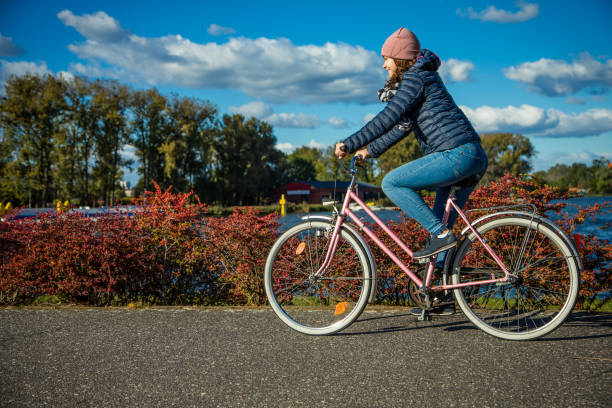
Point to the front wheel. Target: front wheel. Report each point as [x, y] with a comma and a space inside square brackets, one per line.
[544, 284]
[312, 304]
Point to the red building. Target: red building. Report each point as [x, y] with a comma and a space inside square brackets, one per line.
[314, 192]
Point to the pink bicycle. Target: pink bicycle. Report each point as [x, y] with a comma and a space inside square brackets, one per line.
[514, 273]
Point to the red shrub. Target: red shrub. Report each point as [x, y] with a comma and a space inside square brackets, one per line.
[239, 247]
[156, 255]
[67, 254]
[166, 253]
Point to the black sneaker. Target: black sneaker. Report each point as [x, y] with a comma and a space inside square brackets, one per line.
[445, 310]
[435, 244]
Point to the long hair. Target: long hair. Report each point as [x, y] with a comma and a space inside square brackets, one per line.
[402, 66]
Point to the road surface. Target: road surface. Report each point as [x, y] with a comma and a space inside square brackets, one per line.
[232, 357]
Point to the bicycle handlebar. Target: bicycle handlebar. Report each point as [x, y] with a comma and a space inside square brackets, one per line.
[352, 169]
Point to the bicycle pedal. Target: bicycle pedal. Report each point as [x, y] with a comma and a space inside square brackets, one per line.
[424, 260]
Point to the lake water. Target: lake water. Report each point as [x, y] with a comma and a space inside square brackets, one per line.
[601, 226]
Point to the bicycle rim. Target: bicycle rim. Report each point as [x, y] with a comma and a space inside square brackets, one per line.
[546, 285]
[317, 305]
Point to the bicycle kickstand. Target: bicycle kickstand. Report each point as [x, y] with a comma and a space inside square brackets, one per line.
[424, 316]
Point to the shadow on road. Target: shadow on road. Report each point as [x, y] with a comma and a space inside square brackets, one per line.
[586, 320]
[415, 325]
[578, 319]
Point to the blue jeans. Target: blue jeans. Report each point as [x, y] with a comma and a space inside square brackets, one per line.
[438, 170]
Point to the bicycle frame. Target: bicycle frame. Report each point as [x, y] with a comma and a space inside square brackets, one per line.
[346, 212]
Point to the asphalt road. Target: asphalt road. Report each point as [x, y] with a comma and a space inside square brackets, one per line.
[248, 358]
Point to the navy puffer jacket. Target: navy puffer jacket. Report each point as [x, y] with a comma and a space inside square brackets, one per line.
[422, 104]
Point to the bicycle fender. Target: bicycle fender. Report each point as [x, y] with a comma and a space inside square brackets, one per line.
[363, 243]
[538, 219]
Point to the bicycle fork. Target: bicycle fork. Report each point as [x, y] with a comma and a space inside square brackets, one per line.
[333, 244]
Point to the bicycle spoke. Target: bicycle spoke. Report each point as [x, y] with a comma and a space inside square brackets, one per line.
[514, 248]
[309, 248]
[518, 265]
[541, 262]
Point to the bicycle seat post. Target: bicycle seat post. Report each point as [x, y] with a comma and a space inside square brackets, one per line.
[453, 190]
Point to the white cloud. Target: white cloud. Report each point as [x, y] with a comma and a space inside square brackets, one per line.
[454, 70]
[292, 120]
[368, 117]
[264, 112]
[286, 147]
[129, 152]
[8, 47]
[557, 77]
[256, 109]
[272, 69]
[19, 68]
[66, 75]
[527, 11]
[215, 29]
[338, 123]
[314, 144]
[91, 70]
[589, 123]
[23, 67]
[98, 27]
[289, 147]
[489, 119]
[535, 121]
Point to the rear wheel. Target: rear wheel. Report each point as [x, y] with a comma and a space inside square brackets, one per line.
[313, 304]
[544, 284]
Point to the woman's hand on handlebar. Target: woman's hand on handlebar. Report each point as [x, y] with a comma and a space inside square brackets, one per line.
[363, 153]
[340, 150]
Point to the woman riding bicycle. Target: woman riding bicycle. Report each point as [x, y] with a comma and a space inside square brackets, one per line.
[418, 101]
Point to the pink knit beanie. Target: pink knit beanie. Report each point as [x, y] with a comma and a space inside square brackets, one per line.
[402, 44]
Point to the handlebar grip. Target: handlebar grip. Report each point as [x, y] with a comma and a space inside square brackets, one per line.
[353, 160]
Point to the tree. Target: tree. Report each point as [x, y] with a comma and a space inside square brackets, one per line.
[187, 148]
[75, 148]
[112, 100]
[246, 161]
[596, 178]
[601, 179]
[507, 153]
[328, 166]
[302, 162]
[32, 117]
[553, 176]
[148, 125]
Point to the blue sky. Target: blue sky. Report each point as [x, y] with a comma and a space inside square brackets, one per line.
[540, 68]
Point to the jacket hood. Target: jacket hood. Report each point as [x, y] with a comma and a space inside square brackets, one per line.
[426, 61]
